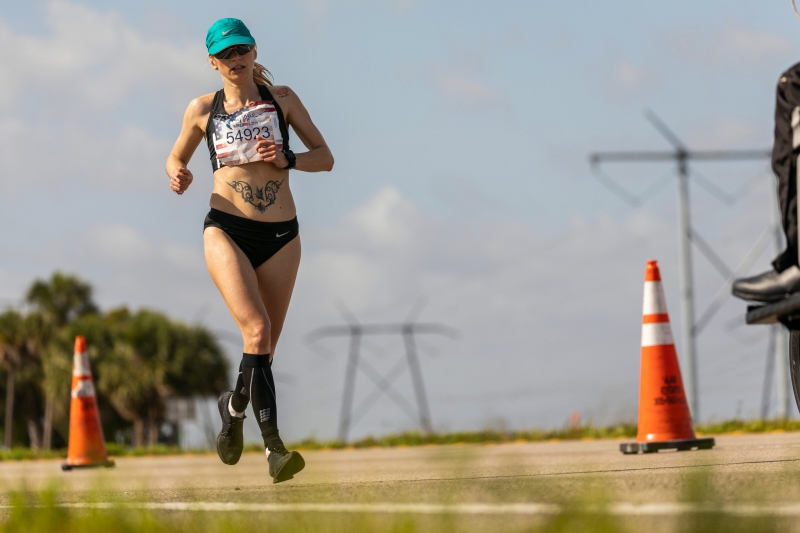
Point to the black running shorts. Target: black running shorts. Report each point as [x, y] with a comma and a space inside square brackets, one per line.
[258, 240]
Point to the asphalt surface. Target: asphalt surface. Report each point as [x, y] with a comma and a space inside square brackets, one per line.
[741, 468]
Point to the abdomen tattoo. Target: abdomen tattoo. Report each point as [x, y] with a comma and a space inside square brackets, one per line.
[264, 196]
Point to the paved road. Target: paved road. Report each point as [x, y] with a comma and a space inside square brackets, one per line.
[752, 468]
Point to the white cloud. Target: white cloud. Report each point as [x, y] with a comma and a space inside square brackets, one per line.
[395, 7]
[622, 80]
[119, 244]
[141, 269]
[464, 88]
[69, 98]
[316, 8]
[402, 7]
[725, 132]
[556, 320]
[128, 158]
[315, 15]
[378, 219]
[93, 59]
[731, 46]
[461, 78]
[547, 325]
[632, 76]
[752, 46]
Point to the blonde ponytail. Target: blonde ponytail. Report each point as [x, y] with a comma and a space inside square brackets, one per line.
[261, 75]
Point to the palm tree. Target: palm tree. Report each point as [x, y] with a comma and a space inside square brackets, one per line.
[140, 359]
[12, 345]
[56, 302]
[124, 379]
[197, 363]
[154, 359]
[37, 335]
[116, 375]
[150, 335]
[62, 299]
[131, 373]
[55, 382]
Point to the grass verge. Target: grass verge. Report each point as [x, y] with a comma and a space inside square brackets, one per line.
[622, 430]
[587, 512]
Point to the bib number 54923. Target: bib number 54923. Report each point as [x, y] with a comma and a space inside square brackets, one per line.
[246, 134]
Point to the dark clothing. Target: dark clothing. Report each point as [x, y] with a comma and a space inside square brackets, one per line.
[785, 150]
[256, 384]
[239, 400]
[258, 240]
[259, 386]
[219, 120]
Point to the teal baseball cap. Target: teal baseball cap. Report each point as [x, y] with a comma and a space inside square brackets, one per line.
[227, 32]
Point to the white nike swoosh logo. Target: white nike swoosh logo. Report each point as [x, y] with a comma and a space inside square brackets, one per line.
[279, 235]
[227, 32]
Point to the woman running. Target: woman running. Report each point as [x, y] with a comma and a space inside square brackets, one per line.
[250, 235]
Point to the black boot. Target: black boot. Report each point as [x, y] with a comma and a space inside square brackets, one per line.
[770, 286]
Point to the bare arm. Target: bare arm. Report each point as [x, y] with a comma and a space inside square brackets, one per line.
[318, 158]
[191, 134]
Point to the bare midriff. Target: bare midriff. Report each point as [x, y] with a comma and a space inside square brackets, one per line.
[258, 191]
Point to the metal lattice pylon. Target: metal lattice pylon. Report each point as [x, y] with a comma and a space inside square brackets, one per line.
[383, 384]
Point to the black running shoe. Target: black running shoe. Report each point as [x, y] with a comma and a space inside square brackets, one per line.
[283, 464]
[229, 441]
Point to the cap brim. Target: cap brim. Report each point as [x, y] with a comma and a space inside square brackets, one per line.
[230, 41]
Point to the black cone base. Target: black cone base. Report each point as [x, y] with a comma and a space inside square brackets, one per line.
[67, 467]
[652, 447]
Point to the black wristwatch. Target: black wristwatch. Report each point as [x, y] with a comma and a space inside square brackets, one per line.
[290, 157]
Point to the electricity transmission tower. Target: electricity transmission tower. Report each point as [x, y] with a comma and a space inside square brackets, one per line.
[776, 349]
[686, 235]
[384, 384]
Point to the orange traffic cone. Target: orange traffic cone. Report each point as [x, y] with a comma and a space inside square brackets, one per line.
[664, 419]
[87, 447]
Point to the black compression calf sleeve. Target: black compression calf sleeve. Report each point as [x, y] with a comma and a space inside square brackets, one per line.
[260, 386]
[239, 400]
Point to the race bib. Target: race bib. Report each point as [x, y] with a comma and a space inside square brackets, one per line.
[236, 135]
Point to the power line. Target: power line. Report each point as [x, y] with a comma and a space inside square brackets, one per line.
[634, 200]
[766, 392]
[724, 291]
[709, 253]
[681, 155]
[722, 195]
[383, 384]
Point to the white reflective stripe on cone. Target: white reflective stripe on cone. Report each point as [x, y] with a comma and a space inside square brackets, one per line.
[80, 365]
[654, 301]
[84, 388]
[657, 334]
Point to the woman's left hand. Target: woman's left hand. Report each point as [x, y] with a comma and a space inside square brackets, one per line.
[270, 153]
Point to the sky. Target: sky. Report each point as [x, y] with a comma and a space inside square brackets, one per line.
[461, 188]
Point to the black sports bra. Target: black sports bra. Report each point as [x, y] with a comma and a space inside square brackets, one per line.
[231, 137]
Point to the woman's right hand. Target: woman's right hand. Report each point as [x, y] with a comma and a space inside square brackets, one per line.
[181, 179]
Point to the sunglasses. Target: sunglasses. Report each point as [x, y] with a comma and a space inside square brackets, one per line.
[240, 49]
